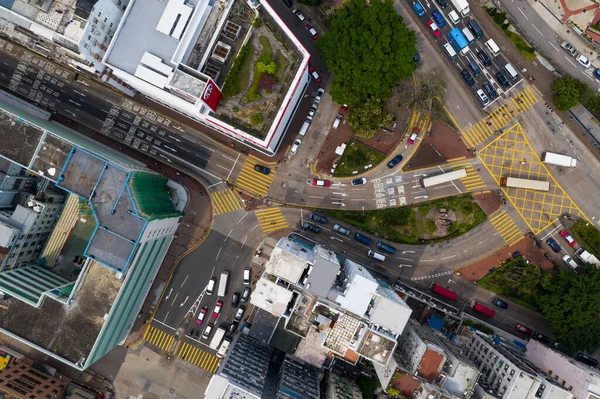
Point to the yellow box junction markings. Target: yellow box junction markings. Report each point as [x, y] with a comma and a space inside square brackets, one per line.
[500, 117]
[473, 181]
[225, 201]
[252, 181]
[506, 227]
[199, 358]
[511, 155]
[159, 338]
[271, 219]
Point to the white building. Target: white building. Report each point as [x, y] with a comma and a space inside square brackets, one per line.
[583, 381]
[100, 29]
[152, 48]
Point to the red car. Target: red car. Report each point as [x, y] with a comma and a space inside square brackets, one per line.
[314, 73]
[201, 316]
[344, 107]
[217, 310]
[414, 135]
[313, 32]
[568, 238]
[434, 28]
[523, 329]
[321, 183]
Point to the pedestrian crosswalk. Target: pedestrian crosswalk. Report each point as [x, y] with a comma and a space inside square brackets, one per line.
[271, 219]
[253, 181]
[473, 181]
[199, 358]
[158, 338]
[500, 117]
[225, 201]
[506, 227]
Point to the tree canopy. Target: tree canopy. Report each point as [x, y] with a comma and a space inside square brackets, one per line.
[369, 49]
[571, 303]
[367, 118]
[567, 92]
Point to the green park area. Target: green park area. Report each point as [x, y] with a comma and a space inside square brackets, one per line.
[356, 157]
[429, 222]
[587, 235]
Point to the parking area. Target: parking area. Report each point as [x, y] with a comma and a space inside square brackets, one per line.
[481, 66]
[511, 155]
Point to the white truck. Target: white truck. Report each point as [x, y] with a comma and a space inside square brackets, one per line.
[215, 342]
[462, 7]
[559, 160]
[587, 257]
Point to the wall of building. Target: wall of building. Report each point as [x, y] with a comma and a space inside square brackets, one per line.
[20, 378]
[160, 228]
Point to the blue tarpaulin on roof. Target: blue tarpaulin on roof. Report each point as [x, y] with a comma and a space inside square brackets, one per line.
[436, 322]
[7, 3]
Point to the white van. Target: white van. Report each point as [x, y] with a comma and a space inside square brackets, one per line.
[454, 17]
[337, 121]
[468, 34]
[376, 255]
[223, 284]
[450, 50]
[492, 47]
[211, 286]
[304, 127]
[223, 348]
[247, 276]
[569, 261]
[512, 72]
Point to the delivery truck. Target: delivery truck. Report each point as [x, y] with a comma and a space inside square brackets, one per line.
[215, 342]
[559, 160]
[462, 7]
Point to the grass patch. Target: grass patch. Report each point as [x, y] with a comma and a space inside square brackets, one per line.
[588, 236]
[500, 18]
[267, 49]
[282, 65]
[478, 326]
[409, 224]
[517, 280]
[356, 157]
[239, 74]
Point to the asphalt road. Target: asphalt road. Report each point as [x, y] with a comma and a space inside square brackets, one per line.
[539, 33]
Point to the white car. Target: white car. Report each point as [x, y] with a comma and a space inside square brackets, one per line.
[298, 14]
[319, 95]
[294, 149]
[454, 17]
[313, 111]
[582, 59]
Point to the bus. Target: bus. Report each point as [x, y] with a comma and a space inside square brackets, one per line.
[446, 293]
[525, 183]
[443, 178]
[458, 40]
[482, 309]
[223, 284]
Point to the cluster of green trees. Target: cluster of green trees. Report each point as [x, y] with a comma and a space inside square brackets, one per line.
[369, 49]
[569, 91]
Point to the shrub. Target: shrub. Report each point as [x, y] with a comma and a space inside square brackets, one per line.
[257, 118]
[257, 23]
[235, 108]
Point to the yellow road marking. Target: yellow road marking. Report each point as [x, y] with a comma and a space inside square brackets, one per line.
[271, 219]
[225, 201]
[252, 181]
[505, 226]
[199, 358]
[159, 338]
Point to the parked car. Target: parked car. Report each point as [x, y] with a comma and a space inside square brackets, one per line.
[489, 88]
[467, 77]
[232, 327]
[434, 28]
[500, 303]
[502, 80]
[288, 3]
[319, 95]
[318, 218]
[582, 59]
[394, 161]
[597, 73]
[419, 9]
[321, 183]
[314, 73]
[299, 15]
[553, 244]
[295, 146]
[523, 329]
[235, 299]
[262, 169]
[239, 314]
[311, 227]
[207, 331]
[313, 110]
[439, 19]
[313, 32]
[201, 316]
[582, 357]
[340, 229]
[569, 48]
[359, 181]
[538, 336]
[484, 58]
[568, 238]
[414, 135]
[442, 3]
[246, 295]
[217, 309]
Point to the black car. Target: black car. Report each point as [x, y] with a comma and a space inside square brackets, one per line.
[288, 3]
[232, 327]
[502, 80]
[590, 361]
[485, 59]
[359, 181]
[500, 303]
[467, 77]
[311, 227]
[538, 336]
[442, 3]
[235, 299]
[318, 218]
[553, 244]
[262, 169]
[246, 295]
[489, 88]
[394, 161]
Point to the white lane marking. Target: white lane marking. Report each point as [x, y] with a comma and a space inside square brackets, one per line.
[555, 48]
[222, 167]
[255, 227]
[245, 214]
[534, 27]
[186, 277]
[235, 163]
[553, 230]
[572, 63]
[449, 257]
[408, 259]
[218, 253]
[523, 13]
[427, 260]
[313, 196]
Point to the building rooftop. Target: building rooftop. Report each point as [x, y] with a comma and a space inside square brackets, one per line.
[289, 260]
[270, 297]
[341, 336]
[263, 326]
[377, 347]
[390, 314]
[324, 272]
[68, 331]
[359, 290]
[220, 388]
[431, 365]
[310, 349]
